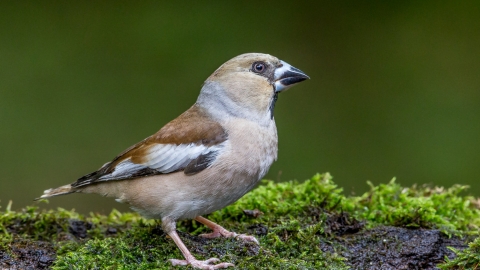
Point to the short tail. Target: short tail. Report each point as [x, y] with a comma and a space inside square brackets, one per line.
[63, 190]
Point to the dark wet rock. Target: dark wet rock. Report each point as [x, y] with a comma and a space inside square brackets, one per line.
[378, 248]
[28, 255]
[258, 229]
[45, 260]
[253, 213]
[79, 228]
[111, 231]
[398, 248]
[342, 223]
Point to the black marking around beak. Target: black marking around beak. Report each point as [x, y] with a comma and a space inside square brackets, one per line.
[289, 77]
[285, 76]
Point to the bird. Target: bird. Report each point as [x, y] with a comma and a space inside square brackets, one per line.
[205, 159]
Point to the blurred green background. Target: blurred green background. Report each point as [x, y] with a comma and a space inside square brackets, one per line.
[394, 89]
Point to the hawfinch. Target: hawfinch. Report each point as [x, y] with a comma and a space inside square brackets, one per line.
[205, 159]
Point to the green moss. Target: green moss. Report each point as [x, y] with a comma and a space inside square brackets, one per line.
[286, 198]
[148, 248]
[468, 258]
[32, 224]
[425, 207]
[298, 230]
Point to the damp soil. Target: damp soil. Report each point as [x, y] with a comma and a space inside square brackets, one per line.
[387, 247]
[398, 248]
[28, 255]
[33, 254]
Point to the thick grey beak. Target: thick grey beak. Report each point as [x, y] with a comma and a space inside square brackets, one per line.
[286, 76]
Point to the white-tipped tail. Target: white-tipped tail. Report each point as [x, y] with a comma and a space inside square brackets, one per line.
[63, 190]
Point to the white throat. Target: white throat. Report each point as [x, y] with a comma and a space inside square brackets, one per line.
[214, 99]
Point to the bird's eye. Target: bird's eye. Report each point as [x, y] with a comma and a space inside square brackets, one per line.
[258, 67]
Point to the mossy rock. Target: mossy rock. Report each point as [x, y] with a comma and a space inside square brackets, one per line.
[309, 225]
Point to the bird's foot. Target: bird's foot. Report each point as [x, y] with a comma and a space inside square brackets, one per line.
[247, 238]
[207, 264]
[221, 232]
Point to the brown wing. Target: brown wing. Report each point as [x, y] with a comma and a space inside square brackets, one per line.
[189, 142]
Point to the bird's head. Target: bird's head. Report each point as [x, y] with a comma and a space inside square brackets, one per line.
[248, 85]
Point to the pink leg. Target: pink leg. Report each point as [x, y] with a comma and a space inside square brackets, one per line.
[219, 231]
[167, 224]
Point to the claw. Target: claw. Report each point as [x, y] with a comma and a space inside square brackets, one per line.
[207, 264]
[247, 238]
[176, 262]
[212, 260]
[227, 234]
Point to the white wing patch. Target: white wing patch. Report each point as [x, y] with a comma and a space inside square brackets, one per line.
[125, 168]
[164, 158]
